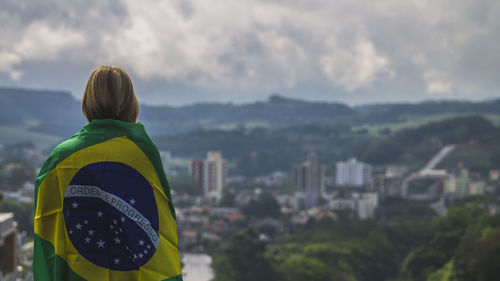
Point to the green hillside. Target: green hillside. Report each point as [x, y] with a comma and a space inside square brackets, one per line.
[274, 134]
[400, 112]
[59, 113]
[476, 138]
[263, 150]
[21, 134]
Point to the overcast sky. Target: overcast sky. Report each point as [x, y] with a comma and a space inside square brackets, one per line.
[185, 51]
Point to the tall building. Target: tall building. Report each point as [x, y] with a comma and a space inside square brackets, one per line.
[211, 174]
[353, 173]
[309, 176]
[196, 170]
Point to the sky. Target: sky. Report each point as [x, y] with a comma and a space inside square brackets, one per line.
[186, 51]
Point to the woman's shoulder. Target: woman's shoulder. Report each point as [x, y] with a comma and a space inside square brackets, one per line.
[67, 147]
[61, 151]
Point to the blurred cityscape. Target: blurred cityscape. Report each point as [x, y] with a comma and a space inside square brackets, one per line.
[388, 201]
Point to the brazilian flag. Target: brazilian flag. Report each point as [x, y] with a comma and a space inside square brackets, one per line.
[103, 209]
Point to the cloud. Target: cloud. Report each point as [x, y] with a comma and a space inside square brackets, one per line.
[241, 44]
[42, 42]
[437, 82]
[39, 42]
[355, 68]
[356, 49]
[8, 60]
[439, 87]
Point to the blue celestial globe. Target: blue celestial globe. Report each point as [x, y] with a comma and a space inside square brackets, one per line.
[111, 216]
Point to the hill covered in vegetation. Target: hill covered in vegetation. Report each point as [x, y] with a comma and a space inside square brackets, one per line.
[475, 137]
[58, 113]
[259, 151]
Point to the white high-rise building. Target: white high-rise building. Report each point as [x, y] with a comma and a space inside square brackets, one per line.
[353, 173]
[211, 174]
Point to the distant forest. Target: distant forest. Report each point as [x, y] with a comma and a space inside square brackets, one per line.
[270, 136]
[59, 113]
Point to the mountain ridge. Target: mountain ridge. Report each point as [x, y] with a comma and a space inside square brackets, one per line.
[59, 113]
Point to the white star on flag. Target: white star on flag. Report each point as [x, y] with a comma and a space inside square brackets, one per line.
[141, 242]
[100, 244]
[99, 214]
[117, 240]
[140, 256]
[85, 221]
[117, 261]
[123, 219]
[114, 221]
[74, 204]
[78, 226]
[91, 232]
[87, 240]
[132, 201]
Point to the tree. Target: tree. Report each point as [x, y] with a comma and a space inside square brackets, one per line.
[477, 258]
[298, 267]
[265, 206]
[243, 259]
[397, 209]
[453, 237]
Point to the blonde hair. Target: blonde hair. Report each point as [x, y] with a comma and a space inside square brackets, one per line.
[109, 94]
